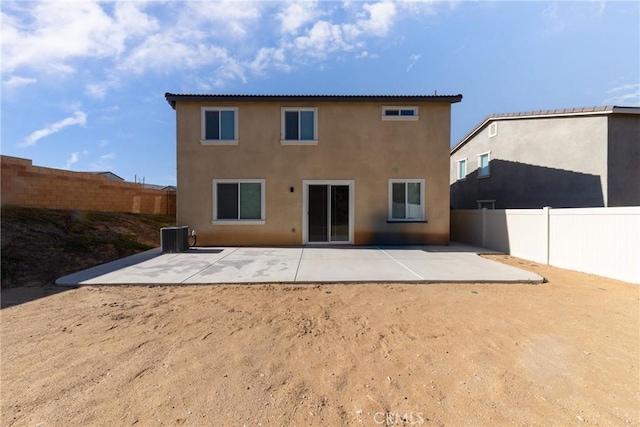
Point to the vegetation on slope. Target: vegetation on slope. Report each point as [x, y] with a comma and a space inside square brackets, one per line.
[40, 245]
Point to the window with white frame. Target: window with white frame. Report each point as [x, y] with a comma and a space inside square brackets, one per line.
[406, 199]
[219, 125]
[299, 126]
[493, 129]
[483, 164]
[461, 169]
[400, 113]
[239, 201]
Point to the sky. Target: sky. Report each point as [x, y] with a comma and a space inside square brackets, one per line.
[83, 82]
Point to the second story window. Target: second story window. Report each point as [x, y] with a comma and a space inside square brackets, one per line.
[462, 169]
[483, 164]
[400, 113]
[299, 126]
[219, 125]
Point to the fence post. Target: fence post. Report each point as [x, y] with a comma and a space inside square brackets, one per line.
[545, 213]
[484, 227]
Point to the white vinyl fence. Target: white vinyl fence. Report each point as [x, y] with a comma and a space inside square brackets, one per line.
[602, 241]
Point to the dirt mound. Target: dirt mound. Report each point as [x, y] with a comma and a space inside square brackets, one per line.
[40, 245]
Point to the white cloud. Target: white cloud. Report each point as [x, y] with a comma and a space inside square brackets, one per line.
[628, 94]
[322, 39]
[72, 159]
[226, 40]
[221, 18]
[165, 52]
[15, 82]
[52, 33]
[412, 61]
[79, 118]
[103, 142]
[99, 90]
[598, 7]
[103, 163]
[555, 23]
[296, 14]
[268, 58]
[379, 17]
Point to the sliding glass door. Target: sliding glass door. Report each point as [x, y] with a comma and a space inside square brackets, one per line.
[328, 213]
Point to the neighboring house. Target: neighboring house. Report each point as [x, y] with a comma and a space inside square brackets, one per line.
[113, 177]
[582, 157]
[292, 170]
[109, 175]
[159, 187]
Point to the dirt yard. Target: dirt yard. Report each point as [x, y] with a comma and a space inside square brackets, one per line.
[561, 353]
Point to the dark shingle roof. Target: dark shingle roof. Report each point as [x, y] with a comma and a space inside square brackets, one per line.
[172, 98]
[563, 112]
[106, 173]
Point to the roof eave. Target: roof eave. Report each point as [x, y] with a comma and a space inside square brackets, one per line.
[173, 98]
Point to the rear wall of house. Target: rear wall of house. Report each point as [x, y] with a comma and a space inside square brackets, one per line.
[354, 143]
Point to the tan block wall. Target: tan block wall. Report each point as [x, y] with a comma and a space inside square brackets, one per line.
[354, 144]
[26, 185]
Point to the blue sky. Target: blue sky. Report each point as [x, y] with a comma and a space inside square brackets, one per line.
[83, 82]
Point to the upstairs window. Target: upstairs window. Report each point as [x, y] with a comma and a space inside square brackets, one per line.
[483, 164]
[219, 125]
[406, 199]
[400, 113]
[299, 126]
[462, 169]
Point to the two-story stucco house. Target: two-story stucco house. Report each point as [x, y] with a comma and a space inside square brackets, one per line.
[297, 170]
[580, 157]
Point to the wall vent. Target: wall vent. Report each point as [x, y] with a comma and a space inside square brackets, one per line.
[493, 129]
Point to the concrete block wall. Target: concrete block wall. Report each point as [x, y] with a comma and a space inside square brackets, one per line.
[23, 184]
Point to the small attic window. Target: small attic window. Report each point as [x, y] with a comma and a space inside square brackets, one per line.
[400, 113]
[493, 129]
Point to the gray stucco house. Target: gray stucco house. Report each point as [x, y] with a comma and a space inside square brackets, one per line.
[580, 157]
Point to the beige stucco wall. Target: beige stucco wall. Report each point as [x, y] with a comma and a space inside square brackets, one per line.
[354, 144]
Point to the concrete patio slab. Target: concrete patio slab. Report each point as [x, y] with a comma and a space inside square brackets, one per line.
[279, 253]
[466, 267]
[243, 269]
[416, 264]
[353, 270]
[347, 252]
[164, 268]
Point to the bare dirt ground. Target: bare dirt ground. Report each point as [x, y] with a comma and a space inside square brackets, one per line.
[561, 353]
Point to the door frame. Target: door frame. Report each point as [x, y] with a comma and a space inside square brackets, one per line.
[305, 207]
